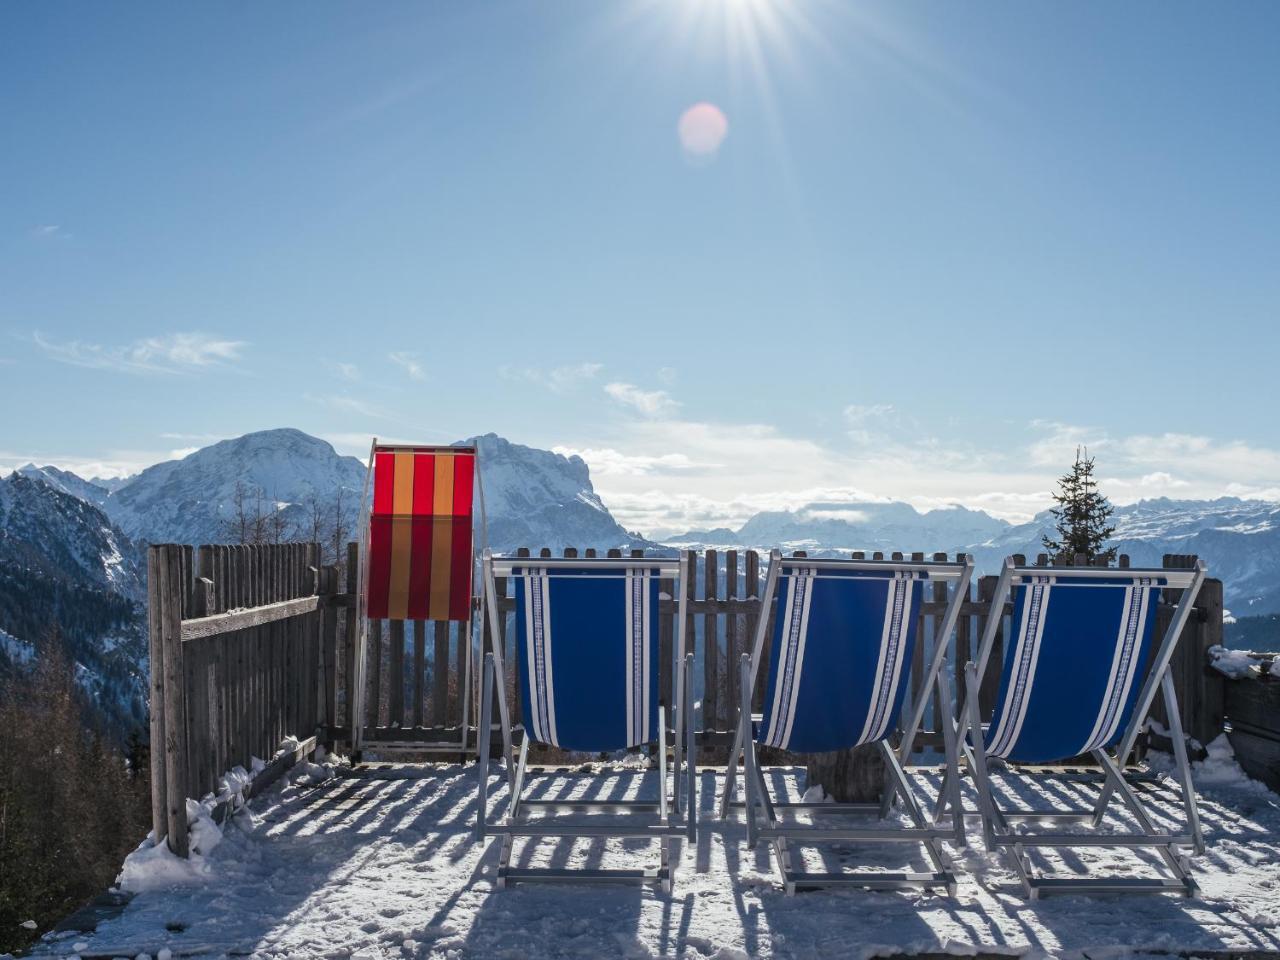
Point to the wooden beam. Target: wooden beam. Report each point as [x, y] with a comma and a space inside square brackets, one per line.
[267, 776]
[252, 617]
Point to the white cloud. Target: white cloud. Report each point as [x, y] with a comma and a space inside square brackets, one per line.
[856, 413]
[560, 379]
[866, 422]
[667, 375]
[651, 403]
[409, 361]
[49, 231]
[203, 439]
[661, 474]
[115, 465]
[169, 353]
[347, 371]
[345, 403]
[605, 461]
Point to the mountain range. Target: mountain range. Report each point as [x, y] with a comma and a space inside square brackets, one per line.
[71, 549]
[1238, 539]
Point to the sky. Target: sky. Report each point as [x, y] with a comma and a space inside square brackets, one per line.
[737, 254]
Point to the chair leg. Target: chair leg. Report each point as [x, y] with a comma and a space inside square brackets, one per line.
[731, 770]
[691, 755]
[978, 757]
[1183, 762]
[951, 779]
[517, 781]
[662, 763]
[677, 746]
[748, 750]
[484, 733]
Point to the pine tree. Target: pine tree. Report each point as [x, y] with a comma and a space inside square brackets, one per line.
[1081, 514]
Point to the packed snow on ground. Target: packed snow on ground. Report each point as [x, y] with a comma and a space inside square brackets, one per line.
[381, 862]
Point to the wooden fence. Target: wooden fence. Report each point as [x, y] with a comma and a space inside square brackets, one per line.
[242, 642]
[250, 644]
[724, 608]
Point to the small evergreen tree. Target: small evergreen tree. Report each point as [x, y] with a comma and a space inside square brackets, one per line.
[1081, 514]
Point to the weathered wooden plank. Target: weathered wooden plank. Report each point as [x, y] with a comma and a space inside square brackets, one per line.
[155, 632]
[666, 643]
[169, 568]
[939, 710]
[395, 683]
[419, 684]
[440, 673]
[220, 623]
[351, 624]
[732, 642]
[373, 717]
[710, 645]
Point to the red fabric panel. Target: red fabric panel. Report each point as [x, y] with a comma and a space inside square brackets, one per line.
[379, 567]
[424, 484]
[464, 467]
[420, 562]
[460, 575]
[384, 478]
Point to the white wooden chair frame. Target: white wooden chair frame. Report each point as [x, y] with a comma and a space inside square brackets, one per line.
[763, 821]
[677, 810]
[997, 820]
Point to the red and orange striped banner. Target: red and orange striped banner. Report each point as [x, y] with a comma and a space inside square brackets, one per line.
[420, 560]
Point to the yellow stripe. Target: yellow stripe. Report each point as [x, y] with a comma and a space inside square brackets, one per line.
[442, 501]
[441, 561]
[401, 537]
[402, 494]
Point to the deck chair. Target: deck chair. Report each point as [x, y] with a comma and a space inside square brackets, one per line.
[587, 670]
[1072, 685]
[843, 638]
[417, 562]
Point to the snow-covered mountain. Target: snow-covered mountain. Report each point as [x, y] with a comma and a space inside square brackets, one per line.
[1238, 539]
[56, 534]
[94, 491]
[192, 500]
[533, 497]
[68, 575]
[536, 498]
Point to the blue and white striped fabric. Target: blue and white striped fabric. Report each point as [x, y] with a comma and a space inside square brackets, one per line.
[1074, 667]
[588, 655]
[841, 660]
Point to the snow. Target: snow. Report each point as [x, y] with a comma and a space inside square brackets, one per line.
[1236, 664]
[380, 862]
[17, 651]
[1274, 670]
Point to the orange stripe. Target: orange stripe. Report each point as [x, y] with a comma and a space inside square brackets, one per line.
[441, 543]
[442, 501]
[401, 538]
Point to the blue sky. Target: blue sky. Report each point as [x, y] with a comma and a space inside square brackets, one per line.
[939, 245]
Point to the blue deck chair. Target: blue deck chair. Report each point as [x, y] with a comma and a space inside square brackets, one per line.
[587, 668]
[843, 639]
[1079, 676]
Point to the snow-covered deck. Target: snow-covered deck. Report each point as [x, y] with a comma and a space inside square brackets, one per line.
[381, 863]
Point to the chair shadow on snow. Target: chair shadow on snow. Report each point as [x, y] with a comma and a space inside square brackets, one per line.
[354, 830]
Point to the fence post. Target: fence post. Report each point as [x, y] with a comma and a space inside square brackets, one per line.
[159, 797]
[169, 594]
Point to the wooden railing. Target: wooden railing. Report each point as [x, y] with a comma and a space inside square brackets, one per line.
[242, 639]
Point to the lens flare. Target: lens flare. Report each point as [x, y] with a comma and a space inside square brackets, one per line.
[702, 129]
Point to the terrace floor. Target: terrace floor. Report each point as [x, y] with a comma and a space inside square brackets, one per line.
[380, 863]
